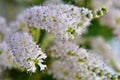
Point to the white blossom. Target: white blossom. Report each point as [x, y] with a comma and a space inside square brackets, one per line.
[26, 52]
[6, 59]
[4, 30]
[7, 29]
[76, 63]
[64, 21]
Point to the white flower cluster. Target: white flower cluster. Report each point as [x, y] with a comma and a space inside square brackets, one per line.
[26, 52]
[74, 63]
[64, 21]
[16, 57]
[4, 30]
[109, 54]
[6, 59]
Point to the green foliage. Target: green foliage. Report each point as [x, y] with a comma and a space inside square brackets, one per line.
[94, 30]
[32, 2]
[41, 38]
[17, 75]
[83, 3]
[97, 29]
[38, 75]
[69, 1]
[25, 2]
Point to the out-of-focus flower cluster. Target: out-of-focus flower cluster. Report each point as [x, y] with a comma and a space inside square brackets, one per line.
[67, 24]
[76, 63]
[17, 48]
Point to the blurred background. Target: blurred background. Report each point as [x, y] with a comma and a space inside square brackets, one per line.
[102, 36]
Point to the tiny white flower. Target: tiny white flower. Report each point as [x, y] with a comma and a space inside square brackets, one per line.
[25, 51]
